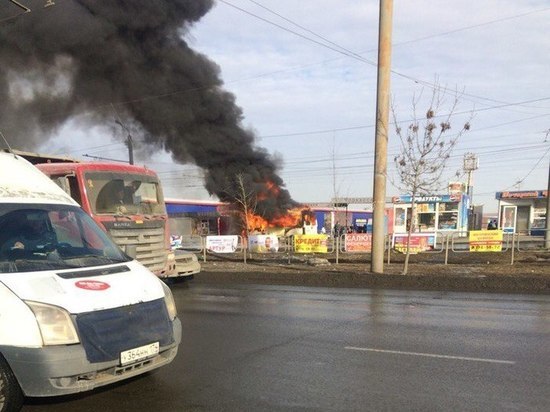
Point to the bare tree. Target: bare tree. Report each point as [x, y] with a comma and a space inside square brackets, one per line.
[426, 145]
[245, 201]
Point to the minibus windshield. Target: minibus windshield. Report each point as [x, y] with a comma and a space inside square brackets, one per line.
[51, 237]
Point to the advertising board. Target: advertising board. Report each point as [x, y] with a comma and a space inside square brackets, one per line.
[310, 243]
[263, 243]
[358, 242]
[222, 244]
[420, 242]
[485, 240]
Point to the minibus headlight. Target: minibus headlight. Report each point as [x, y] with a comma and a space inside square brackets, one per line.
[169, 301]
[55, 323]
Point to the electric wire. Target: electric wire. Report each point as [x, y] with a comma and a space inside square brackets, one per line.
[342, 50]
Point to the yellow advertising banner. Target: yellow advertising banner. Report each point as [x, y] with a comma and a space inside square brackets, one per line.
[310, 243]
[485, 240]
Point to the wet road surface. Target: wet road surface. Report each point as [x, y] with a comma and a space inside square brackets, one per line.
[278, 348]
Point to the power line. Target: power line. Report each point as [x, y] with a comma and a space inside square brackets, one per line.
[89, 148]
[332, 130]
[367, 167]
[394, 150]
[349, 53]
[530, 171]
[341, 50]
[342, 129]
[337, 48]
[473, 26]
[490, 149]
[305, 29]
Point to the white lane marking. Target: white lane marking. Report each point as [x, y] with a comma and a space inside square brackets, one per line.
[431, 355]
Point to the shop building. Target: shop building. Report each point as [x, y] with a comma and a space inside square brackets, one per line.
[202, 217]
[197, 217]
[522, 211]
[435, 213]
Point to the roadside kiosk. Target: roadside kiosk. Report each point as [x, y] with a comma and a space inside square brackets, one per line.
[522, 211]
[437, 213]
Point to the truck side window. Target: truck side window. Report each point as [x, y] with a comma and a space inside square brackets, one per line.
[70, 185]
[72, 232]
[75, 189]
[66, 229]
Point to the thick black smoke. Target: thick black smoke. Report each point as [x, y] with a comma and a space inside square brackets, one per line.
[96, 57]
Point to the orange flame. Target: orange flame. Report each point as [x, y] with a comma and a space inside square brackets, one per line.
[256, 223]
[271, 190]
[296, 217]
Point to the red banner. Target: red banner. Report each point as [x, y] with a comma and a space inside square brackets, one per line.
[358, 242]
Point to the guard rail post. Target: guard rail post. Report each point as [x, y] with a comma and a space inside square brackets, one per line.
[446, 249]
[244, 243]
[388, 240]
[290, 247]
[513, 247]
[337, 247]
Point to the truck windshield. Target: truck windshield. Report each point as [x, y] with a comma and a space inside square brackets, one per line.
[50, 237]
[123, 193]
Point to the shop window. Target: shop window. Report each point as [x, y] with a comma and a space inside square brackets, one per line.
[539, 219]
[425, 207]
[448, 207]
[448, 220]
[426, 222]
[400, 216]
[204, 227]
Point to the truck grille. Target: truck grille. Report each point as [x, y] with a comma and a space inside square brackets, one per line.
[151, 251]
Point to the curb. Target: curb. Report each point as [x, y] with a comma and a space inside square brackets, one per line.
[527, 284]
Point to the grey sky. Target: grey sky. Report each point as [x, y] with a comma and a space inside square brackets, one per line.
[313, 105]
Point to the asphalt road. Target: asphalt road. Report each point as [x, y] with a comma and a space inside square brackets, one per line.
[279, 348]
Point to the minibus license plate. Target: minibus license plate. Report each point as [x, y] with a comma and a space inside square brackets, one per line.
[137, 354]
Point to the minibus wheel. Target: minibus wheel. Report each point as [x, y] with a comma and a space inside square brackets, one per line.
[11, 397]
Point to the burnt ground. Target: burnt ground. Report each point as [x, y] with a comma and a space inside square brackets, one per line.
[482, 272]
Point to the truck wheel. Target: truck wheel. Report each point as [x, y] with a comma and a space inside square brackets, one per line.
[11, 397]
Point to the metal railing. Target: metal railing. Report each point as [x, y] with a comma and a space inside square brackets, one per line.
[445, 243]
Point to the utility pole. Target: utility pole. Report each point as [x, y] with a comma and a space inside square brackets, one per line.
[129, 141]
[470, 164]
[547, 233]
[381, 139]
[130, 144]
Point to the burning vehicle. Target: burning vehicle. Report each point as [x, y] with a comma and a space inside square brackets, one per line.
[297, 221]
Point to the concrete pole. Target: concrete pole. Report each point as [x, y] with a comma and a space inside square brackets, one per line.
[547, 233]
[471, 216]
[130, 149]
[381, 140]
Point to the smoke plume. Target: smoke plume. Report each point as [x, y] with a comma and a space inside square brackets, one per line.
[130, 57]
